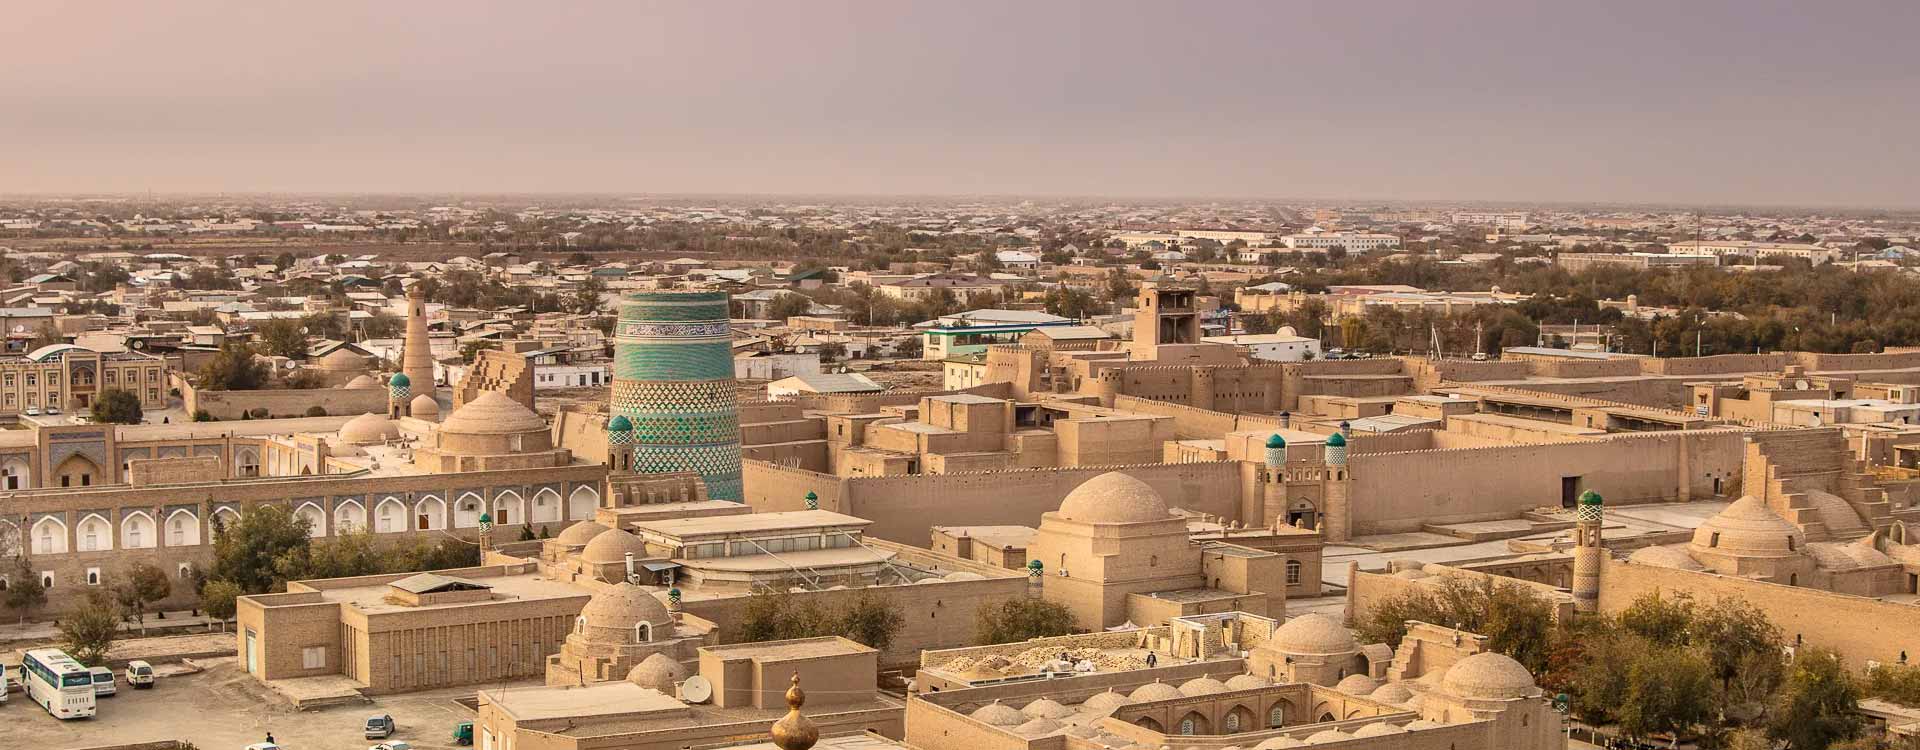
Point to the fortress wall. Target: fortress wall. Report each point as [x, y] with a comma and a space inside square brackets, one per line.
[1604, 368]
[1858, 628]
[1850, 362]
[1718, 364]
[1399, 492]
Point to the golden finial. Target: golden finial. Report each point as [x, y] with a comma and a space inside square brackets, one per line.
[794, 731]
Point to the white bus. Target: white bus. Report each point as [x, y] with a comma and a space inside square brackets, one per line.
[58, 683]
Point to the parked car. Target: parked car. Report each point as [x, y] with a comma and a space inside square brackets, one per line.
[263, 746]
[394, 745]
[463, 733]
[54, 410]
[139, 674]
[380, 727]
[102, 681]
[33, 411]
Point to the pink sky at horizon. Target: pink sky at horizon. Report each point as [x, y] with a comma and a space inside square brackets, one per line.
[1704, 102]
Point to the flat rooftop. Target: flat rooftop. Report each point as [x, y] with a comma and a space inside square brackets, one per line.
[372, 597]
[804, 648]
[997, 536]
[812, 558]
[750, 523]
[604, 699]
[966, 398]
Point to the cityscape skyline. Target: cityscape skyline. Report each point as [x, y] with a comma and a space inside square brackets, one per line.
[1716, 104]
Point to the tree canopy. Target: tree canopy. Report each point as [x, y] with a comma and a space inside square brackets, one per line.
[117, 406]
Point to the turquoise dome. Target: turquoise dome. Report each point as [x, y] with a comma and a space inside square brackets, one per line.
[1336, 440]
[1590, 498]
[1275, 441]
[620, 423]
[399, 378]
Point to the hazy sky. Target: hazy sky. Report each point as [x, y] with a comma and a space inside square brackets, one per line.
[1737, 101]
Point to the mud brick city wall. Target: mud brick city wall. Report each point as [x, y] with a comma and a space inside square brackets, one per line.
[227, 405]
[1400, 492]
[1858, 628]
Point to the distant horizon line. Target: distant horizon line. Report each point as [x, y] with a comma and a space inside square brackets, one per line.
[1062, 197]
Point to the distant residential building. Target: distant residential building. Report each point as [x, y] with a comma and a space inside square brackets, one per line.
[1353, 242]
[1273, 347]
[1577, 262]
[975, 330]
[1017, 259]
[1501, 219]
[964, 287]
[1224, 236]
[852, 382]
[1814, 254]
[774, 366]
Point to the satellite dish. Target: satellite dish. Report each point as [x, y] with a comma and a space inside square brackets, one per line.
[696, 689]
[292, 364]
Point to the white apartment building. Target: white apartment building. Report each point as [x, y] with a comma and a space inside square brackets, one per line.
[1354, 242]
[1501, 219]
[1814, 254]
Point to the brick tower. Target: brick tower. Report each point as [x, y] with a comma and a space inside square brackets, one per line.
[673, 381]
[416, 353]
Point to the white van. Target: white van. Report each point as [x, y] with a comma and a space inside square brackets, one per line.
[139, 674]
[102, 681]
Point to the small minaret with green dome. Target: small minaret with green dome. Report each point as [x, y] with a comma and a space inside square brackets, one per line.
[399, 387]
[1276, 451]
[1588, 555]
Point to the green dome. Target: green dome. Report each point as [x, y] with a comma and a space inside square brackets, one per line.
[399, 378]
[1036, 565]
[811, 496]
[1336, 440]
[1590, 498]
[1275, 441]
[620, 423]
[486, 518]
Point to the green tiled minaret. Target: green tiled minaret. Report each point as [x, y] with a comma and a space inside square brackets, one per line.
[673, 381]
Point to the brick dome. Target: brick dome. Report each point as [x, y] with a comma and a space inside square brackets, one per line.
[1488, 675]
[612, 614]
[1314, 634]
[658, 671]
[1114, 497]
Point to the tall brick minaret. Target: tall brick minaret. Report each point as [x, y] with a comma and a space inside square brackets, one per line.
[416, 354]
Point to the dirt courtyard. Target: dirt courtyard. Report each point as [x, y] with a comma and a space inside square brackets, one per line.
[222, 708]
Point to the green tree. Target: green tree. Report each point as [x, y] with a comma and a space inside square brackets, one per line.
[87, 631]
[143, 585]
[217, 599]
[116, 406]
[283, 338]
[1658, 619]
[247, 552]
[1516, 621]
[381, 326]
[351, 553]
[789, 305]
[775, 616]
[1668, 692]
[870, 620]
[1818, 705]
[1022, 619]
[25, 594]
[234, 368]
[910, 347]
